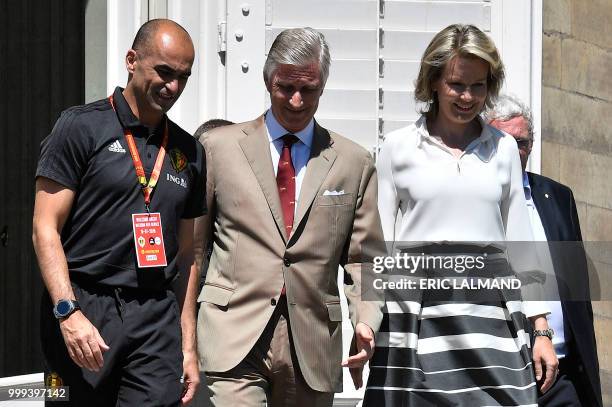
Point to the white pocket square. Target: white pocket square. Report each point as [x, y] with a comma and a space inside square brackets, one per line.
[333, 193]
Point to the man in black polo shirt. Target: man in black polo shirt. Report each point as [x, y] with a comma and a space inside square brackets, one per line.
[118, 187]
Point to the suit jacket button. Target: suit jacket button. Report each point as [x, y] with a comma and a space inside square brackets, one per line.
[286, 262]
[273, 302]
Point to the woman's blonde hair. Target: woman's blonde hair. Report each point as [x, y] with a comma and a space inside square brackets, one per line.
[457, 40]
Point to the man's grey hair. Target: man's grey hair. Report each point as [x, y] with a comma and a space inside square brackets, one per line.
[507, 107]
[299, 47]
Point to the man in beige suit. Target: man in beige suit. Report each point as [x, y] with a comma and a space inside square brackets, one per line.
[269, 325]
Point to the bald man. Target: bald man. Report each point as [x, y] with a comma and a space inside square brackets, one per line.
[118, 186]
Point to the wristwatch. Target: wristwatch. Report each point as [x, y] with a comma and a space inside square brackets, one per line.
[64, 308]
[549, 333]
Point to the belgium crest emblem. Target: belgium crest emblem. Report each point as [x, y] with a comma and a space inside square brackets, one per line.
[178, 159]
[54, 380]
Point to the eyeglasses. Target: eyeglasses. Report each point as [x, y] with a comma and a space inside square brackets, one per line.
[524, 143]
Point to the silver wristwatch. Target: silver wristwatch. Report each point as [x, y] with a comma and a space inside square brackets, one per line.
[549, 333]
[64, 308]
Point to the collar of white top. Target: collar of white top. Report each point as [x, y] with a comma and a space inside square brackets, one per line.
[276, 130]
[423, 133]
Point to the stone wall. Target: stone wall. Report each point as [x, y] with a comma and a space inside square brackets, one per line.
[577, 133]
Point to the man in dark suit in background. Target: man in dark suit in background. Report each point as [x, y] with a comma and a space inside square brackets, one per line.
[554, 218]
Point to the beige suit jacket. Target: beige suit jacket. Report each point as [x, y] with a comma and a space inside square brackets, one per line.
[252, 258]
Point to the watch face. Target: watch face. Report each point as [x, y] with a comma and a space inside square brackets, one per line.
[64, 307]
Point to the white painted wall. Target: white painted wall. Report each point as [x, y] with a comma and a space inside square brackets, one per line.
[229, 84]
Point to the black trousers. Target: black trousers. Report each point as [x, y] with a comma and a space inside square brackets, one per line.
[565, 392]
[144, 364]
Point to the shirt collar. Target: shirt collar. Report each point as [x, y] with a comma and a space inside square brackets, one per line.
[526, 186]
[421, 126]
[276, 130]
[125, 114]
[526, 180]
[423, 133]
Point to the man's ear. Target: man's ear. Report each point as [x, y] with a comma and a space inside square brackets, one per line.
[130, 61]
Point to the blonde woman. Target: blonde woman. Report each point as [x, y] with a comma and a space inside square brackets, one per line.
[453, 178]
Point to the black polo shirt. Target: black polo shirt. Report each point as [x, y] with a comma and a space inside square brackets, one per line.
[88, 153]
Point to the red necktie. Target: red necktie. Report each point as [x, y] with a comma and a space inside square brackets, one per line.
[285, 181]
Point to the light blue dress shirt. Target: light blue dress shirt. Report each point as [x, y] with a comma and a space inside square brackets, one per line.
[300, 151]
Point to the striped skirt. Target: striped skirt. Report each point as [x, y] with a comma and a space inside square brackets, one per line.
[452, 353]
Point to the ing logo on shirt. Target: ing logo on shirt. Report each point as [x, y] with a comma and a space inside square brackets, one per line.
[178, 160]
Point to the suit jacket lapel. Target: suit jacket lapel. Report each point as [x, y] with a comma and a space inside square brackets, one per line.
[542, 204]
[322, 157]
[256, 148]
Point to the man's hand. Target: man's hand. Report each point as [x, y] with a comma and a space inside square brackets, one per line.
[191, 376]
[84, 343]
[362, 349]
[544, 358]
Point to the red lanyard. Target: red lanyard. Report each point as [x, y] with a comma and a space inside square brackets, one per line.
[147, 187]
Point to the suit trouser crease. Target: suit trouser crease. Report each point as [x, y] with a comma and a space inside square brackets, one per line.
[269, 375]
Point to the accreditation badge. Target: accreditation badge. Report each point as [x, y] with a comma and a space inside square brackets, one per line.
[149, 240]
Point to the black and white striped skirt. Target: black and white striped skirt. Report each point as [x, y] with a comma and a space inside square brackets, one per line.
[452, 353]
